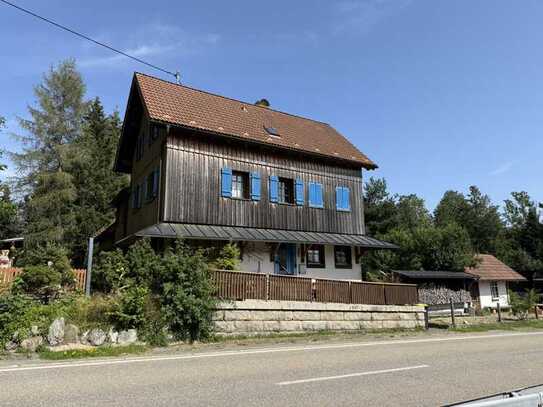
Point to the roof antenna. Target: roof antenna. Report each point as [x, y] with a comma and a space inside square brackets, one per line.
[178, 77]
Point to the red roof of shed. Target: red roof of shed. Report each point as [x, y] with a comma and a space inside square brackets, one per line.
[490, 268]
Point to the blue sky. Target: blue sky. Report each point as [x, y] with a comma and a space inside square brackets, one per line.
[441, 94]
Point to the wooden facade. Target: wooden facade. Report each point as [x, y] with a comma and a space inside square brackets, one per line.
[192, 186]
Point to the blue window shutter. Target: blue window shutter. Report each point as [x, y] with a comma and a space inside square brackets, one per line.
[315, 195]
[346, 200]
[339, 198]
[299, 192]
[274, 188]
[255, 186]
[226, 182]
[320, 198]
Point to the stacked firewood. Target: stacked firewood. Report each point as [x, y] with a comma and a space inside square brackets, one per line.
[433, 295]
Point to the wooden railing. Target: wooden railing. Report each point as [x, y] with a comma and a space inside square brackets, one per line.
[7, 275]
[289, 288]
[237, 285]
[240, 285]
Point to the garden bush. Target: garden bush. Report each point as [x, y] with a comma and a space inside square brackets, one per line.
[129, 310]
[228, 258]
[521, 305]
[186, 294]
[52, 255]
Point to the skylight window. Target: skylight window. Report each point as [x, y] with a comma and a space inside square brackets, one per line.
[272, 131]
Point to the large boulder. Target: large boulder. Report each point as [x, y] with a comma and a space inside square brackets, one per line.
[56, 332]
[127, 337]
[96, 337]
[10, 346]
[112, 336]
[71, 334]
[32, 343]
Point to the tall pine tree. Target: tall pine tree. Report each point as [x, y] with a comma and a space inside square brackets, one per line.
[96, 183]
[53, 127]
[9, 225]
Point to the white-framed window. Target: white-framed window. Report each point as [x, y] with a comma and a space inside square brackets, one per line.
[286, 190]
[494, 291]
[240, 185]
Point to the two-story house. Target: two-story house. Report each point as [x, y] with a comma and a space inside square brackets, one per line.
[211, 168]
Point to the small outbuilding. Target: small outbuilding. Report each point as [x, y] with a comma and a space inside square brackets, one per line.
[482, 286]
[493, 279]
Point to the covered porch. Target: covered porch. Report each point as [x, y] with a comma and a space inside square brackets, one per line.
[282, 252]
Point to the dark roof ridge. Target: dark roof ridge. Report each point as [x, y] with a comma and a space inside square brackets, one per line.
[232, 99]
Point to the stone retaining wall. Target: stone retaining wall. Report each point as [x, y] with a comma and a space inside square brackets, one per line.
[256, 317]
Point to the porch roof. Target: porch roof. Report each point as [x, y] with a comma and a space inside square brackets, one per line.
[435, 275]
[214, 232]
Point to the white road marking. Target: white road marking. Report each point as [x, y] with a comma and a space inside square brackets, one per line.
[143, 359]
[344, 376]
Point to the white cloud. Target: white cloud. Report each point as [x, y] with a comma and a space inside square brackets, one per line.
[502, 169]
[140, 51]
[362, 15]
[152, 40]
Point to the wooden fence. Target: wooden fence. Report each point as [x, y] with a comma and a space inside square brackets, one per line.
[7, 275]
[237, 285]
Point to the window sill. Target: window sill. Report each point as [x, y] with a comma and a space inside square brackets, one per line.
[343, 210]
[346, 267]
[316, 207]
[316, 266]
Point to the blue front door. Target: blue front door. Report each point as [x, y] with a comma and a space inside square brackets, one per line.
[285, 259]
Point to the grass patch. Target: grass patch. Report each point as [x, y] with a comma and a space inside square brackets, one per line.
[504, 326]
[102, 351]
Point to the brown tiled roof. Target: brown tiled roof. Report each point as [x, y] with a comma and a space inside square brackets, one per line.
[184, 106]
[490, 268]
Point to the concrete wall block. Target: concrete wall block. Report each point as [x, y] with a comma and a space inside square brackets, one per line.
[370, 325]
[407, 316]
[271, 326]
[408, 324]
[392, 324]
[332, 316]
[314, 325]
[225, 326]
[306, 315]
[357, 316]
[385, 316]
[217, 316]
[238, 315]
[290, 326]
[343, 325]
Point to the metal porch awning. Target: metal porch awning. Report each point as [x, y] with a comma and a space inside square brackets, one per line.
[435, 275]
[213, 232]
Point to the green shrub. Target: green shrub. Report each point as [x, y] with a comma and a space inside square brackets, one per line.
[143, 265]
[19, 312]
[521, 305]
[41, 281]
[228, 258]
[52, 255]
[155, 329]
[129, 311]
[110, 271]
[91, 312]
[187, 293]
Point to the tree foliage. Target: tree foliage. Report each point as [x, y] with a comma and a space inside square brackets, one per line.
[66, 164]
[9, 221]
[475, 213]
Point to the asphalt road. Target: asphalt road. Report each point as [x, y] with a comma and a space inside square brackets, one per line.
[420, 371]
